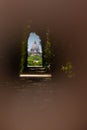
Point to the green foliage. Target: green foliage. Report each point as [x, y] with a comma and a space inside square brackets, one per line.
[23, 53]
[47, 55]
[23, 49]
[68, 69]
[47, 50]
[34, 60]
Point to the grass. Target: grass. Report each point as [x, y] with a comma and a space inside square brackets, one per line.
[34, 60]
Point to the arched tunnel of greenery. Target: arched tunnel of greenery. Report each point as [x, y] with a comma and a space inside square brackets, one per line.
[53, 54]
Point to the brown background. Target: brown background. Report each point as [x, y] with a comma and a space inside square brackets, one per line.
[66, 107]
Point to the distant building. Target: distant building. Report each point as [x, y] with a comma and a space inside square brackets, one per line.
[35, 49]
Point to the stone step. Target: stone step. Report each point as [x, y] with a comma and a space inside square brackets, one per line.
[35, 72]
[36, 68]
[36, 75]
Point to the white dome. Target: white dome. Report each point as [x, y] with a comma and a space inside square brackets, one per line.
[35, 47]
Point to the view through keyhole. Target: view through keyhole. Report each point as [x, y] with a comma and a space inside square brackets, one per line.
[34, 49]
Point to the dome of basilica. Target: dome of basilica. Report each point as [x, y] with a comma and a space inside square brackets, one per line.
[35, 47]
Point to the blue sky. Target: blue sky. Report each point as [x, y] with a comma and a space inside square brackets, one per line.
[32, 38]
